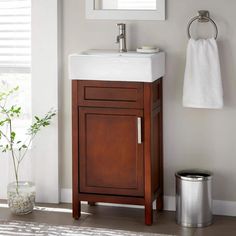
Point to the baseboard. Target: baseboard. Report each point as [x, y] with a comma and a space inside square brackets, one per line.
[226, 208]
[66, 195]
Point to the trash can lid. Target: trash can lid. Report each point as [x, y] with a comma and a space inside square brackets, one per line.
[194, 175]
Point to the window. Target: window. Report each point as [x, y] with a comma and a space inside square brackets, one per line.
[15, 55]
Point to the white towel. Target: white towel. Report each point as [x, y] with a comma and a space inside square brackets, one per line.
[202, 82]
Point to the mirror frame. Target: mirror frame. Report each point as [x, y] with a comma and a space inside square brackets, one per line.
[92, 13]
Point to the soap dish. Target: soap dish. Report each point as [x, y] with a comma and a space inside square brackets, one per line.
[148, 50]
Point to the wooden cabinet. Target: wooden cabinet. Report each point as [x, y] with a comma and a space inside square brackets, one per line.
[117, 144]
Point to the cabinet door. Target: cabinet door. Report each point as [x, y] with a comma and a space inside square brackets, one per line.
[110, 151]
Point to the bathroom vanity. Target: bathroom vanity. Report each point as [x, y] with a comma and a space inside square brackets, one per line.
[117, 129]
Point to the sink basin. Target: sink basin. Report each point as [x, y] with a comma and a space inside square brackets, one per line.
[107, 65]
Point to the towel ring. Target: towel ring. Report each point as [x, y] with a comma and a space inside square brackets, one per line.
[203, 16]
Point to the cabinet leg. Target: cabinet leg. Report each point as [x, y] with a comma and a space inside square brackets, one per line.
[160, 203]
[92, 203]
[148, 214]
[76, 210]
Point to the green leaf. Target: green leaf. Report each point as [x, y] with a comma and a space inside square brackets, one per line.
[2, 122]
[13, 135]
[36, 118]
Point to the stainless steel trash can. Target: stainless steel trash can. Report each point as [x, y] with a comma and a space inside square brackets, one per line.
[194, 198]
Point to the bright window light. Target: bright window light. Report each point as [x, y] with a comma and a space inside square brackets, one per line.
[15, 56]
[49, 209]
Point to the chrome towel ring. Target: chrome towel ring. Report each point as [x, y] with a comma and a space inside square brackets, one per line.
[203, 16]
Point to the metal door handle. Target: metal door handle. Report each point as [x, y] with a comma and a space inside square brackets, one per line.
[139, 127]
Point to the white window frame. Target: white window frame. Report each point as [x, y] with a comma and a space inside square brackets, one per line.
[92, 13]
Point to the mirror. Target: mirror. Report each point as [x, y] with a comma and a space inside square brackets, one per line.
[125, 4]
[125, 9]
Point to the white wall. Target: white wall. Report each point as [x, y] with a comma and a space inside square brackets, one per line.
[45, 76]
[192, 138]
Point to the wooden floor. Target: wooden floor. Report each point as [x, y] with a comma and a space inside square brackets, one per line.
[120, 218]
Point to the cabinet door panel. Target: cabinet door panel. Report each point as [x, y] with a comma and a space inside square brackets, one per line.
[111, 160]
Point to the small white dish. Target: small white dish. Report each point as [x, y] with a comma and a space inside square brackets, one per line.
[148, 47]
[148, 50]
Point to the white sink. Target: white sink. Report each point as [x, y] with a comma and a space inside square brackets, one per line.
[110, 65]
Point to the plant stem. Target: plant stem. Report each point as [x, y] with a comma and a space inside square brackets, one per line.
[14, 159]
[21, 157]
[5, 137]
[15, 170]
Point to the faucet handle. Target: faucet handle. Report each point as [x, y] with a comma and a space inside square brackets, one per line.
[121, 25]
[118, 39]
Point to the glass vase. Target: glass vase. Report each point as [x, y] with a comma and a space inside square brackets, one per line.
[21, 197]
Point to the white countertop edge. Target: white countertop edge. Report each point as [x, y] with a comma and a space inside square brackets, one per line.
[117, 80]
[116, 54]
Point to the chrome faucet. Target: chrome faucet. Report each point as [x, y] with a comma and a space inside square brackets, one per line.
[121, 38]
